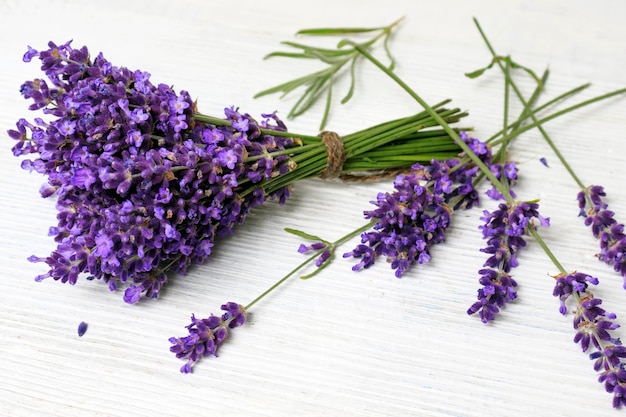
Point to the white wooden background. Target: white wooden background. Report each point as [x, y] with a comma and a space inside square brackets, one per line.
[343, 343]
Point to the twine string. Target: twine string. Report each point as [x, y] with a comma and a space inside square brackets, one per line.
[336, 155]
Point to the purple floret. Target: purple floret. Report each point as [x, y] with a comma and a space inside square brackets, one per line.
[206, 335]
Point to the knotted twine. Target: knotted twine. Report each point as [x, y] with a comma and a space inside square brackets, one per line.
[336, 156]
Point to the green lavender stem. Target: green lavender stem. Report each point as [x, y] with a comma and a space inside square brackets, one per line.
[546, 249]
[509, 81]
[515, 126]
[538, 123]
[331, 246]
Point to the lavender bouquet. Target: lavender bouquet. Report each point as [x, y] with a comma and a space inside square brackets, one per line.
[145, 184]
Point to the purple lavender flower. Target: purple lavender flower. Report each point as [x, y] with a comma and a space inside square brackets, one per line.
[483, 151]
[206, 335]
[507, 172]
[604, 227]
[325, 255]
[498, 289]
[566, 285]
[593, 327]
[82, 328]
[503, 230]
[454, 178]
[407, 223]
[142, 188]
[312, 247]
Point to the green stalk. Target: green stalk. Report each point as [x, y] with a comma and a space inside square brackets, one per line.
[501, 154]
[331, 246]
[538, 109]
[566, 110]
[546, 249]
[505, 118]
[531, 114]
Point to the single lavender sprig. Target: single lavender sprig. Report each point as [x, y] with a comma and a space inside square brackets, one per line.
[504, 229]
[405, 224]
[593, 327]
[145, 183]
[206, 335]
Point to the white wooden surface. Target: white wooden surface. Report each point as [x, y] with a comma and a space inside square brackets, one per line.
[343, 343]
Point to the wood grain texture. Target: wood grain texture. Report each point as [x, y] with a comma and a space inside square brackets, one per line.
[343, 343]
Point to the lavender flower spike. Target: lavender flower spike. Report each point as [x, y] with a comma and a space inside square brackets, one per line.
[593, 327]
[604, 227]
[206, 335]
[503, 230]
[407, 223]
